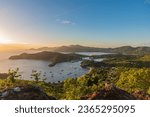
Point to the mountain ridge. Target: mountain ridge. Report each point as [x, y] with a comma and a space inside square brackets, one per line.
[80, 48]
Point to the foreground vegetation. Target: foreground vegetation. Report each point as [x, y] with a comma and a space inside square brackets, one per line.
[128, 79]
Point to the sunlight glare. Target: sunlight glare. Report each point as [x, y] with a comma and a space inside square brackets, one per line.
[5, 41]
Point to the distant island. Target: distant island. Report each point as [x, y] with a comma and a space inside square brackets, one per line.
[53, 57]
[79, 48]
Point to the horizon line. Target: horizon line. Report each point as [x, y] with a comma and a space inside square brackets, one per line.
[25, 46]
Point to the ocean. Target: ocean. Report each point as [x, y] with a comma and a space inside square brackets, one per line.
[59, 72]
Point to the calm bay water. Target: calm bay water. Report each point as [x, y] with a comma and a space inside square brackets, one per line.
[59, 72]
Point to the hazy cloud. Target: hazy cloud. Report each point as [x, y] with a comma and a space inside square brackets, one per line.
[145, 44]
[67, 22]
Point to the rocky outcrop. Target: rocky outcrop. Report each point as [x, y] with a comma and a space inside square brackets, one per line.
[141, 95]
[110, 92]
[25, 93]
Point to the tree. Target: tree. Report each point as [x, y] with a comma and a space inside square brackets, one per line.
[36, 76]
[13, 74]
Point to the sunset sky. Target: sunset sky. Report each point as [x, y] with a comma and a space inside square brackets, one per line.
[99, 23]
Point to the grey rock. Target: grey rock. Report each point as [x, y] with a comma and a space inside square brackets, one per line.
[5, 94]
[17, 89]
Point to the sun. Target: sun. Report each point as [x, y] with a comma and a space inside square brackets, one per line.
[5, 41]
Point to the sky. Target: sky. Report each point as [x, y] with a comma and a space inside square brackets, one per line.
[98, 23]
